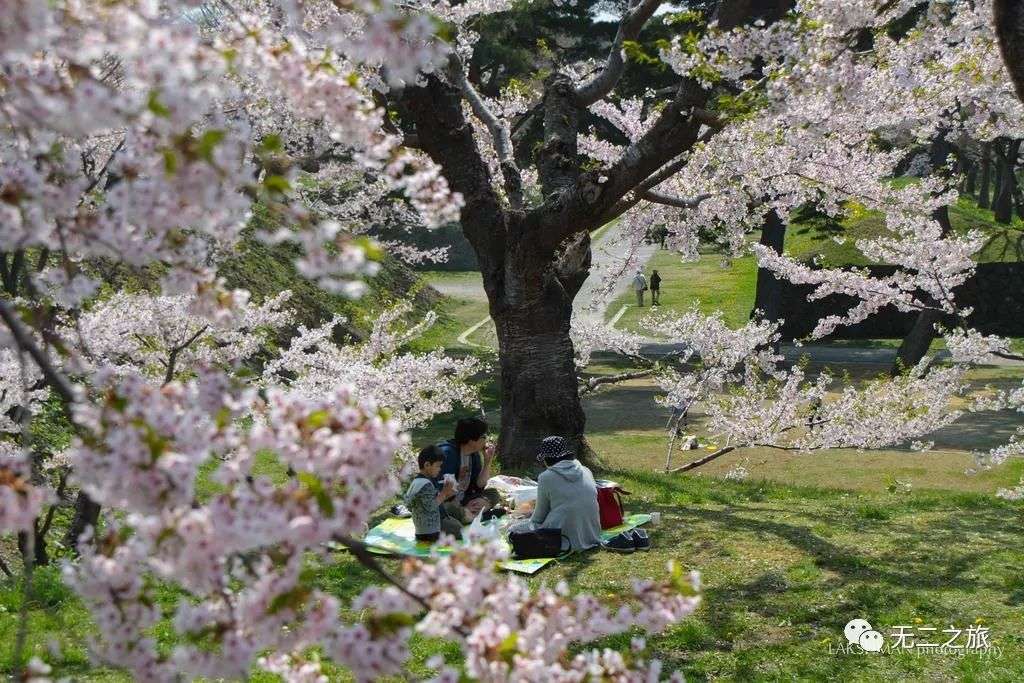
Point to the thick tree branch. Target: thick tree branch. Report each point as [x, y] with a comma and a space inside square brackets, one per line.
[444, 134]
[500, 135]
[634, 198]
[1009, 25]
[678, 202]
[592, 384]
[675, 132]
[558, 160]
[632, 22]
[703, 461]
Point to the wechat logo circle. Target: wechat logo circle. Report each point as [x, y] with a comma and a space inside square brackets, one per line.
[859, 632]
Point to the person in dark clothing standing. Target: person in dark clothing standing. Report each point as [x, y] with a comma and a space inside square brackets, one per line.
[655, 288]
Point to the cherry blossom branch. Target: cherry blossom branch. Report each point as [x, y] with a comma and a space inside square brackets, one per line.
[500, 135]
[592, 384]
[24, 340]
[702, 461]
[722, 451]
[633, 20]
[361, 551]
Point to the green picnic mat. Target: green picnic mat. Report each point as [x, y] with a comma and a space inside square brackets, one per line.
[396, 536]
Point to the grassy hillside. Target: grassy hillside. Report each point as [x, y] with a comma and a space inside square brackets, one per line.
[265, 270]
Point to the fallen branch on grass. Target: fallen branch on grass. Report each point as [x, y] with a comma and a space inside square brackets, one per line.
[702, 461]
[589, 385]
[649, 367]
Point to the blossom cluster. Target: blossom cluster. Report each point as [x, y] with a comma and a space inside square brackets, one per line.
[20, 500]
[414, 386]
[155, 334]
[511, 633]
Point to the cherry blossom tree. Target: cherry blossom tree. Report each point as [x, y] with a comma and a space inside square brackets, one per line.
[146, 132]
[139, 133]
[533, 241]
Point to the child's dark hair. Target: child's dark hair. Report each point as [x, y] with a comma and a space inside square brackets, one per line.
[429, 455]
[469, 429]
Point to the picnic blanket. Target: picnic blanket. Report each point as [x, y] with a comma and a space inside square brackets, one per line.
[396, 536]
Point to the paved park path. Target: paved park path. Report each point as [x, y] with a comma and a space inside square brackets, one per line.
[589, 306]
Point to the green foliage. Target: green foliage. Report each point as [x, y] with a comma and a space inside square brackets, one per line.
[635, 52]
[50, 431]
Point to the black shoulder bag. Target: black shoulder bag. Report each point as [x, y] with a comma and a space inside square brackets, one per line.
[529, 545]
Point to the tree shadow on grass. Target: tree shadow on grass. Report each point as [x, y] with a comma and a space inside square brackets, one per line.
[577, 563]
[921, 568]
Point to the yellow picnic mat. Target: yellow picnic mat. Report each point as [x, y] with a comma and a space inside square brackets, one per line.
[396, 536]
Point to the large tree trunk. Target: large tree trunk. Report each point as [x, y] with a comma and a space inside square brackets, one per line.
[917, 342]
[1009, 24]
[768, 298]
[986, 171]
[539, 392]
[87, 514]
[532, 312]
[1002, 205]
[1018, 197]
[971, 181]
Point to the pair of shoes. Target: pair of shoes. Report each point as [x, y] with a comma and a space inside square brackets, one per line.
[400, 511]
[493, 513]
[628, 541]
[620, 544]
[641, 541]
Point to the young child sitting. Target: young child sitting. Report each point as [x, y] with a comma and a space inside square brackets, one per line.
[424, 500]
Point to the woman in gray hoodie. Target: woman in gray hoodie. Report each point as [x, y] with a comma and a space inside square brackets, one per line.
[567, 496]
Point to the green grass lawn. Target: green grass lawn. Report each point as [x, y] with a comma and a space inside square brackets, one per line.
[710, 283]
[457, 311]
[784, 568]
[807, 543]
[463, 306]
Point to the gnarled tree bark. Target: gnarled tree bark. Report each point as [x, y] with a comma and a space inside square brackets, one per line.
[534, 260]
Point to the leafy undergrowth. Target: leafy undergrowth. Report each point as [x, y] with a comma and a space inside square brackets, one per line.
[784, 568]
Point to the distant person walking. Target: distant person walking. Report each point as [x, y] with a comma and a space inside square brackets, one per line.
[662, 234]
[640, 285]
[655, 288]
